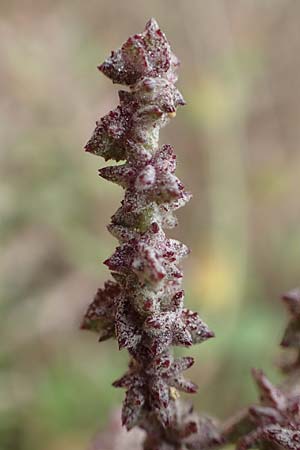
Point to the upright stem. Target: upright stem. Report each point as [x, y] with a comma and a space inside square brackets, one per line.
[143, 307]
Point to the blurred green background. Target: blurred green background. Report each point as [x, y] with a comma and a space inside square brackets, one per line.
[237, 142]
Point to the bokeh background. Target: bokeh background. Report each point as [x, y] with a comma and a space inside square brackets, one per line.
[237, 142]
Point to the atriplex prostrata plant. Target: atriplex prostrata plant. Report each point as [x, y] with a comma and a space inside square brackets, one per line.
[274, 423]
[143, 307]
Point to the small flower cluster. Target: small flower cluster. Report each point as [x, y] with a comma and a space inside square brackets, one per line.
[275, 423]
[155, 380]
[276, 419]
[143, 308]
[190, 432]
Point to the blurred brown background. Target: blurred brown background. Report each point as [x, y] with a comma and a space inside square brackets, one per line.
[238, 144]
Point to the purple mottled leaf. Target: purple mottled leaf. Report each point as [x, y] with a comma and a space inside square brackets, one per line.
[270, 395]
[127, 329]
[183, 363]
[160, 400]
[132, 407]
[99, 316]
[184, 385]
[198, 329]
[124, 174]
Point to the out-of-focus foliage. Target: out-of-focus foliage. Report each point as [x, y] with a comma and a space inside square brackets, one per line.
[237, 142]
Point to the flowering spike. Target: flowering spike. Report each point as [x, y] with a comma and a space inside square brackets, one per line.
[275, 422]
[143, 308]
